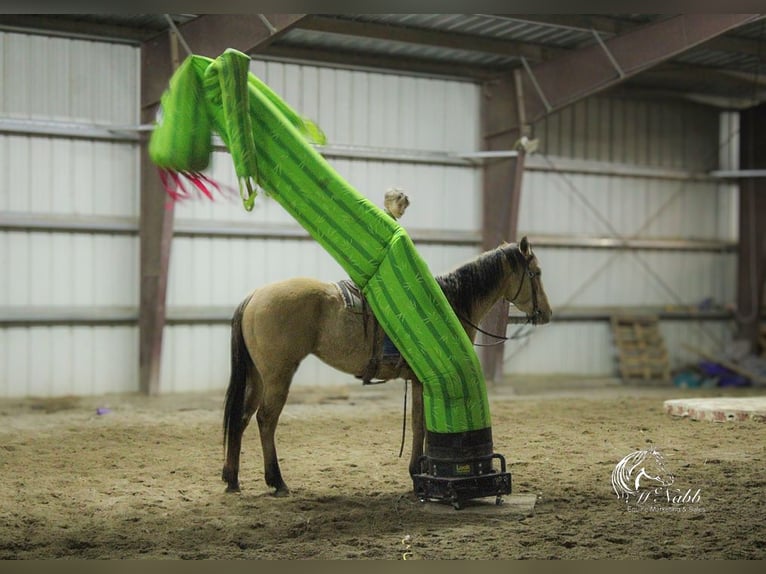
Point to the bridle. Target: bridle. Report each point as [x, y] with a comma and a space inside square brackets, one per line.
[533, 318]
[536, 312]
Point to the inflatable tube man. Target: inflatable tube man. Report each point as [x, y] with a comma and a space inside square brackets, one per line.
[270, 147]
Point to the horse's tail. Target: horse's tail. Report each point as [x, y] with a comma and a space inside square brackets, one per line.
[241, 363]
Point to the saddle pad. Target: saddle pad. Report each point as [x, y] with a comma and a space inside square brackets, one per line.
[353, 300]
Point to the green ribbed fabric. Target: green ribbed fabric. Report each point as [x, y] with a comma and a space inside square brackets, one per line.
[269, 144]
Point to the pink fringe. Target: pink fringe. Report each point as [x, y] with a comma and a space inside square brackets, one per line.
[185, 185]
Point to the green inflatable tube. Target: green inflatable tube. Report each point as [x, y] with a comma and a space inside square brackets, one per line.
[269, 145]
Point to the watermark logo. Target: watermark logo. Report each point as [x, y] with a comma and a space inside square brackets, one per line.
[643, 481]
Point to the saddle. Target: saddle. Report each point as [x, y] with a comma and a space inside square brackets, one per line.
[384, 352]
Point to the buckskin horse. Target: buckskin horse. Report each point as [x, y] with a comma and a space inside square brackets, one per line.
[279, 324]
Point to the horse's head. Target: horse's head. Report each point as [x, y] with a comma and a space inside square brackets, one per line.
[526, 290]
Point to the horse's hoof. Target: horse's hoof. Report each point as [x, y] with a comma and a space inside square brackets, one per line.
[282, 492]
[232, 488]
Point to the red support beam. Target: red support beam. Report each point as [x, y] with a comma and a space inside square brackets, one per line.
[559, 82]
[502, 115]
[751, 271]
[207, 35]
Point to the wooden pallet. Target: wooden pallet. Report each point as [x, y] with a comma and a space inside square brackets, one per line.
[641, 351]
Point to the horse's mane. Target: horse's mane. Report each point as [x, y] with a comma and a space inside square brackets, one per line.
[477, 278]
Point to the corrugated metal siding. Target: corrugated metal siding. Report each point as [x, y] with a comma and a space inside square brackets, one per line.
[650, 133]
[587, 349]
[479, 25]
[75, 80]
[657, 133]
[354, 108]
[78, 81]
[564, 348]
[55, 361]
[604, 278]
[68, 270]
[68, 177]
[382, 110]
[195, 357]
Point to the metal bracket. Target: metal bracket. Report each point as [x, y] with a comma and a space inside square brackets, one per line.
[609, 54]
[538, 89]
[178, 34]
[269, 26]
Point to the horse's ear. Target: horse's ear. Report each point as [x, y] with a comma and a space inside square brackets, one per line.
[524, 247]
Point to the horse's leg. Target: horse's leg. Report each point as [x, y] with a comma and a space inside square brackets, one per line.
[276, 388]
[241, 399]
[253, 393]
[418, 426]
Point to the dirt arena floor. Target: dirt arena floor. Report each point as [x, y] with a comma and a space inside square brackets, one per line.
[143, 480]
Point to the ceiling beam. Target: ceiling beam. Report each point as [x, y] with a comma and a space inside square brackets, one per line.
[738, 45]
[614, 26]
[345, 58]
[581, 22]
[709, 86]
[557, 83]
[426, 37]
[209, 35]
[691, 73]
[68, 26]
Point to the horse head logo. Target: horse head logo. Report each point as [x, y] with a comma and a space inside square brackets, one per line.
[647, 465]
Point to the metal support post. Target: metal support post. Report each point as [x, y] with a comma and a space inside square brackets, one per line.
[752, 226]
[503, 124]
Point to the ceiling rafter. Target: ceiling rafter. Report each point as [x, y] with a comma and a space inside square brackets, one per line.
[423, 36]
[578, 74]
[71, 27]
[614, 26]
[356, 59]
[581, 22]
[684, 71]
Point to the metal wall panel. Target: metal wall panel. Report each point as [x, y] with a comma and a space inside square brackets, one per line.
[380, 110]
[195, 358]
[587, 349]
[67, 176]
[564, 348]
[68, 270]
[63, 80]
[600, 132]
[611, 278]
[622, 206]
[71, 80]
[671, 134]
[54, 361]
